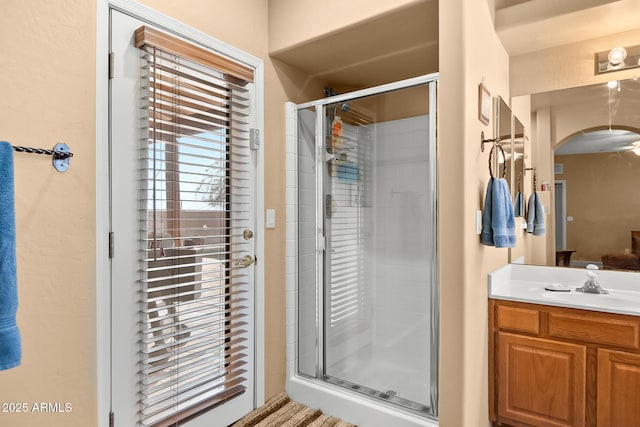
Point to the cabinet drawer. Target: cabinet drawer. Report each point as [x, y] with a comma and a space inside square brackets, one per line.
[518, 319]
[593, 329]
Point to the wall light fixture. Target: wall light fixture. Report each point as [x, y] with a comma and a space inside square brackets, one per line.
[616, 59]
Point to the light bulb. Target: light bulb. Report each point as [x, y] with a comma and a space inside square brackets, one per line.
[612, 84]
[617, 55]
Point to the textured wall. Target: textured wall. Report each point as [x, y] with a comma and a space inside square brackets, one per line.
[47, 81]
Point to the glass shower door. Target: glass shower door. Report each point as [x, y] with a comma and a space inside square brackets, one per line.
[366, 288]
[378, 185]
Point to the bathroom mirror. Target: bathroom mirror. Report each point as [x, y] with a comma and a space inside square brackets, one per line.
[503, 135]
[518, 164]
[593, 136]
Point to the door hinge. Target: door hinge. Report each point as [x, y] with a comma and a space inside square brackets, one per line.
[111, 244]
[111, 65]
[111, 421]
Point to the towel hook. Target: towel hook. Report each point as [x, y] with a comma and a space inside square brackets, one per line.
[485, 141]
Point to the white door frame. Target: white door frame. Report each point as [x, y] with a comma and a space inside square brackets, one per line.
[562, 223]
[103, 294]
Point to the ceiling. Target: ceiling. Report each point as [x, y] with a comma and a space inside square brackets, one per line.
[529, 25]
[395, 46]
[404, 43]
[599, 141]
[617, 103]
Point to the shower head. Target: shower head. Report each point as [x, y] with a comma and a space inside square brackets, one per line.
[344, 107]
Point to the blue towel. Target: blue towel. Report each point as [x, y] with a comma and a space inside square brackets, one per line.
[10, 345]
[502, 220]
[498, 222]
[518, 205]
[486, 236]
[535, 216]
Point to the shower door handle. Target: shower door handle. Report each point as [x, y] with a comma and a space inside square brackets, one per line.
[246, 261]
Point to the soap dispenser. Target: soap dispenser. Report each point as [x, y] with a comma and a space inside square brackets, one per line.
[591, 286]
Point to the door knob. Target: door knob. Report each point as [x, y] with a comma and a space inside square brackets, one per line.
[246, 261]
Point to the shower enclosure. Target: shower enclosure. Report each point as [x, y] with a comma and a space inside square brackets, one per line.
[362, 260]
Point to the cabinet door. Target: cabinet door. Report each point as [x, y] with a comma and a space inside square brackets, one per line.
[541, 382]
[618, 389]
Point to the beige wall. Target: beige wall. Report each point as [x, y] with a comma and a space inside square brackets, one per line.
[602, 197]
[47, 82]
[469, 52]
[566, 66]
[542, 248]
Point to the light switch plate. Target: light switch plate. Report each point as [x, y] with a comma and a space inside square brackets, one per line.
[478, 222]
[271, 218]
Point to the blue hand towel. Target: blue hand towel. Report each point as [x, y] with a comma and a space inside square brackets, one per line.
[10, 344]
[535, 216]
[538, 224]
[486, 236]
[531, 212]
[502, 220]
[518, 205]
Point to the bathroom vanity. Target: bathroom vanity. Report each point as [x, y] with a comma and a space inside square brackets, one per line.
[563, 358]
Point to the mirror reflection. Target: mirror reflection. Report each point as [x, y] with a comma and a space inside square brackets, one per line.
[592, 133]
[503, 134]
[518, 168]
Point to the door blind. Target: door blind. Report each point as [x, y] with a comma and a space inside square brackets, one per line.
[194, 206]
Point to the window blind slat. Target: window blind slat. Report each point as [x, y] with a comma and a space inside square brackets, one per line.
[192, 375]
[204, 315]
[190, 394]
[232, 391]
[150, 327]
[207, 78]
[166, 351]
[160, 372]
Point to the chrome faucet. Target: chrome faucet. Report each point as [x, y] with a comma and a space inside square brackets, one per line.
[591, 286]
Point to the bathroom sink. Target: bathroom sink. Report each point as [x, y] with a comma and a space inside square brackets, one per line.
[527, 283]
[615, 300]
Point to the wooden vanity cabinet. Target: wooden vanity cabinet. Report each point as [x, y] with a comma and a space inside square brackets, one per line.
[618, 388]
[561, 367]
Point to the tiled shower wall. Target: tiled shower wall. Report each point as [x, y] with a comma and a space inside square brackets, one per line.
[402, 242]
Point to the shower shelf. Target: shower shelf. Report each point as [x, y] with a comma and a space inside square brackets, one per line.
[343, 138]
[342, 162]
[341, 150]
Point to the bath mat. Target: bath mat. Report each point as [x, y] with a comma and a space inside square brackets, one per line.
[281, 411]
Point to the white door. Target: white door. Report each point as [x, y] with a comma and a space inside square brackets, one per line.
[156, 338]
[561, 215]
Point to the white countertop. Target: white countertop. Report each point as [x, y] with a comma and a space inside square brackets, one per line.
[526, 283]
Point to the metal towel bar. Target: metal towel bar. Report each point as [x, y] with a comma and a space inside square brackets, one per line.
[60, 152]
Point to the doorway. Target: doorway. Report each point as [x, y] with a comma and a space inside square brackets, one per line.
[184, 236]
[561, 214]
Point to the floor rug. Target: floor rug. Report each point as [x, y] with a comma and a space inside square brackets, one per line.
[280, 411]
